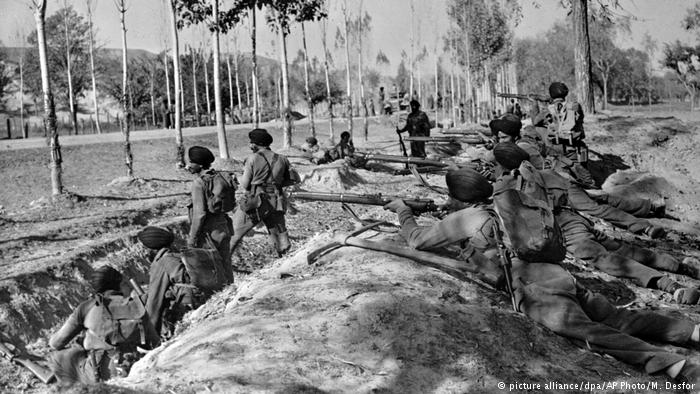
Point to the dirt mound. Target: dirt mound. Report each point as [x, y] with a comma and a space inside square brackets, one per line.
[639, 185]
[361, 322]
[330, 177]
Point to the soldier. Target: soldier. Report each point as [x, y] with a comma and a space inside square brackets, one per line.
[210, 226]
[310, 145]
[265, 173]
[170, 291]
[549, 295]
[113, 326]
[609, 255]
[417, 124]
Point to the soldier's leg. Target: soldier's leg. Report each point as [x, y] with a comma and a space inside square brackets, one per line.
[219, 230]
[638, 323]
[564, 315]
[581, 202]
[639, 207]
[242, 224]
[276, 225]
[661, 261]
[68, 365]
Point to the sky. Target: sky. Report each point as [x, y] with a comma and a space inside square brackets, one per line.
[147, 25]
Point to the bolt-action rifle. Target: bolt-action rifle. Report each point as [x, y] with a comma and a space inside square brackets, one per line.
[405, 160]
[505, 262]
[44, 374]
[532, 96]
[417, 205]
[445, 139]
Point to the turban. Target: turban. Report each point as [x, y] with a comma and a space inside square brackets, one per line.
[509, 155]
[312, 141]
[105, 278]
[509, 124]
[558, 90]
[155, 237]
[200, 155]
[467, 185]
[414, 103]
[260, 137]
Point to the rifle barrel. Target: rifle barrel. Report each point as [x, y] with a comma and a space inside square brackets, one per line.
[406, 160]
[417, 205]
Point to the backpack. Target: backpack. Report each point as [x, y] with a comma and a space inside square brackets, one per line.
[121, 321]
[220, 190]
[564, 121]
[205, 268]
[557, 188]
[527, 214]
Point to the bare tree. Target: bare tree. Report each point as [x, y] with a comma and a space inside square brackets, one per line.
[19, 36]
[39, 8]
[346, 22]
[256, 96]
[126, 119]
[306, 81]
[194, 56]
[71, 99]
[206, 84]
[180, 154]
[91, 49]
[326, 55]
[218, 106]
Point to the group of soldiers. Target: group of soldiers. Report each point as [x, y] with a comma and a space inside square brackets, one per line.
[549, 155]
[120, 322]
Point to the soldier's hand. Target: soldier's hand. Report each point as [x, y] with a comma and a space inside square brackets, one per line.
[395, 205]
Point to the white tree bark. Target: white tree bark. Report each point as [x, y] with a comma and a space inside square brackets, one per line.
[324, 42]
[91, 49]
[71, 99]
[126, 118]
[180, 154]
[218, 106]
[306, 82]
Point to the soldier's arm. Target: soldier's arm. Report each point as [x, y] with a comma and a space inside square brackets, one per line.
[199, 212]
[453, 229]
[70, 329]
[247, 173]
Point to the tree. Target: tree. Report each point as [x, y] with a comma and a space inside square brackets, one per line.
[605, 56]
[5, 79]
[326, 57]
[582, 55]
[360, 28]
[283, 13]
[180, 148]
[650, 46]
[218, 106]
[39, 7]
[91, 51]
[684, 60]
[126, 118]
[66, 54]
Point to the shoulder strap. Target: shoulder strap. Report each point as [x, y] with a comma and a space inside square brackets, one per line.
[269, 174]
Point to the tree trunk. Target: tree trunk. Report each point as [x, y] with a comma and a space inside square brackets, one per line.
[180, 153]
[324, 42]
[230, 87]
[306, 82]
[25, 130]
[49, 106]
[348, 90]
[71, 100]
[605, 90]
[410, 89]
[365, 123]
[437, 91]
[193, 54]
[452, 97]
[256, 98]
[167, 79]
[218, 107]
[206, 87]
[91, 50]
[238, 85]
[582, 55]
[287, 138]
[152, 92]
[128, 157]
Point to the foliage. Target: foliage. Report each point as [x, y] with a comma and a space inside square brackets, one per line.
[56, 56]
[402, 77]
[5, 77]
[684, 61]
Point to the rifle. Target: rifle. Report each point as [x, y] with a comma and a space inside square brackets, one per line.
[138, 289]
[531, 96]
[475, 140]
[417, 205]
[41, 372]
[505, 262]
[406, 160]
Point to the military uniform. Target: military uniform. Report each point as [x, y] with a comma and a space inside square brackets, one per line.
[417, 125]
[170, 295]
[207, 229]
[96, 360]
[264, 172]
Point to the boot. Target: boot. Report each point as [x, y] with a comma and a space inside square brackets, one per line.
[655, 232]
[281, 241]
[690, 266]
[686, 296]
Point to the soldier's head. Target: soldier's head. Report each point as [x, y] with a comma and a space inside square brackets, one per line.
[415, 106]
[312, 141]
[200, 159]
[105, 278]
[155, 238]
[509, 156]
[259, 138]
[345, 136]
[506, 128]
[468, 186]
[558, 90]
